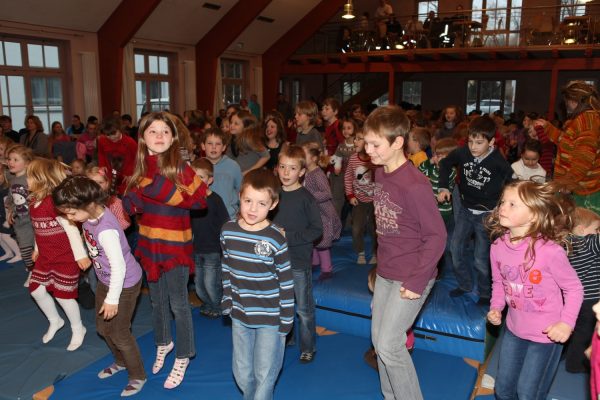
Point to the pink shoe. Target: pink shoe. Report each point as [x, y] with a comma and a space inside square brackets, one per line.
[177, 373]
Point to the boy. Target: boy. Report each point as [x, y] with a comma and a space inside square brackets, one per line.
[333, 134]
[298, 214]
[306, 119]
[258, 288]
[206, 228]
[528, 166]
[483, 173]
[227, 172]
[410, 238]
[418, 141]
[116, 153]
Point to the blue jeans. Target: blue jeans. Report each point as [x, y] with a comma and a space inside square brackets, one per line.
[466, 224]
[392, 316]
[168, 294]
[257, 359]
[525, 368]
[208, 280]
[305, 309]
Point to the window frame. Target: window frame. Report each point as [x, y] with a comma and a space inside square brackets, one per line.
[227, 81]
[147, 77]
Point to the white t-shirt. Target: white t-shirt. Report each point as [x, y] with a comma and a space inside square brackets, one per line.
[524, 173]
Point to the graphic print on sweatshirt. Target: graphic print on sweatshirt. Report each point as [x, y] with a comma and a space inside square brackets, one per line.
[93, 250]
[387, 212]
[521, 287]
[476, 175]
[19, 195]
[363, 181]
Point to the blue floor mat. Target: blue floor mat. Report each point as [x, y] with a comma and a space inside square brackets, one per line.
[337, 372]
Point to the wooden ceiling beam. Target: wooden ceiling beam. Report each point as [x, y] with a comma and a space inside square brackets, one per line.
[113, 36]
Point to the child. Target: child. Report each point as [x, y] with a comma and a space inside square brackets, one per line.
[528, 167]
[252, 152]
[162, 190]
[410, 239]
[82, 200]
[206, 228]
[8, 244]
[316, 183]
[343, 152]
[306, 119]
[275, 138]
[258, 288]
[115, 205]
[227, 173]
[585, 259]
[116, 152]
[333, 135]
[418, 141]
[531, 273]
[359, 185]
[78, 167]
[5, 143]
[483, 173]
[298, 214]
[58, 253]
[18, 158]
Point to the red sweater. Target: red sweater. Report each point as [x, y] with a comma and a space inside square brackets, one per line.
[119, 155]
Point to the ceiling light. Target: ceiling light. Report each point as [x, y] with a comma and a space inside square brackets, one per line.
[348, 10]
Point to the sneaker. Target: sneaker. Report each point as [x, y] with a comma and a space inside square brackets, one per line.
[325, 275]
[361, 260]
[457, 292]
[373, 260]
[133, 387]
[307, 357]
[110, 371]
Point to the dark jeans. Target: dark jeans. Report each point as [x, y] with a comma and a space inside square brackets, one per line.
[467, 224]
[576, 361]
[305, 309]
[525, 368]
[363, 220]
[117, 331]
[208, 280]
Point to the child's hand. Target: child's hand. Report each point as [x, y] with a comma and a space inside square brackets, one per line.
[407, 294]
[108, 311]
[34, 255]
[495, 317]
[84, 263]
[353, 201]
[443, 196]
[558, 332]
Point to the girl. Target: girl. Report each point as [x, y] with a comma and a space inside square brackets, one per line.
[275, 137]
[238, 121]
[343, 152]
[58, 254]
[451, 120]
[306, 117]
[163, 189]
[8, 244]
[249, 143]
[531, 273]
[60, 145]
[114, 204]
[18, 158]
[316, 183]
[120, 276]
[78, 167]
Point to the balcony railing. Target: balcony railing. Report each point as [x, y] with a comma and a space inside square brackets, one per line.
[576, 25]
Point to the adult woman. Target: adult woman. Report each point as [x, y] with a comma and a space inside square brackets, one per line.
[578, 157]
[35, 138]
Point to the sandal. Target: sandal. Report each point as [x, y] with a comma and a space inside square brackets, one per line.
[177, 373]
[161, 354]
[110, 371]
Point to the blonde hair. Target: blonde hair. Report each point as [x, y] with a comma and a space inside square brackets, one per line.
[310, 109]
[103, 172]
[170, 163]
[314, 150]
[43, 175]
[551, 215]
[25, 152]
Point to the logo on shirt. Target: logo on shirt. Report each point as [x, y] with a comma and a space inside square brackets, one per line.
[387, 213]
[262, 248]
[92, 247]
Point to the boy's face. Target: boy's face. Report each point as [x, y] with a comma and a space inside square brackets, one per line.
[530, 158]
[302, 120]
[290, 171]
[380, 150]
[437, 157]
[203, 174]
[213, 147]
[413, 146]
[592, 229]
[254, 207]
[328, 113]
[479, 145]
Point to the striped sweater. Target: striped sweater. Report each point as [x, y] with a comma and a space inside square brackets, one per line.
[578, 157]
[585, 259]
[359, 179]
[258, 286]
[432, 171]
[165, 233]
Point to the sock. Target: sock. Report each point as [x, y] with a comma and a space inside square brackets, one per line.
[325, 256]
[71, 308]
[46, 304]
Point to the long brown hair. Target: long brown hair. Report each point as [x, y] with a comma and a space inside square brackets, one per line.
[551, 211]
[170, 163]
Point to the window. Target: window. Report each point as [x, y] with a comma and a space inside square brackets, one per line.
[490, 96]
[349, 89]
[233, 76]
[296, 92]
[153, 81]
[424, 7]
[572, 8]
[503, 19]
[31, 80]
[411, 92]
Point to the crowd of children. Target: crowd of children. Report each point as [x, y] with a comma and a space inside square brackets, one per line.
[249, 207]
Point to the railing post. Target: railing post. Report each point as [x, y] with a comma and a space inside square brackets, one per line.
[391, 85]
[553, 93]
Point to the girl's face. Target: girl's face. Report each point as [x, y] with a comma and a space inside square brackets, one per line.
[100, 180]
[16, 164]
[311, 160]
[359, 142]
[225, 125]
[236, 125]
[450, 114]
[513, 214]
[271, 130]
[530, 158]
[347, 129]
[77, 168]
[158, 137]
[77, 214]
